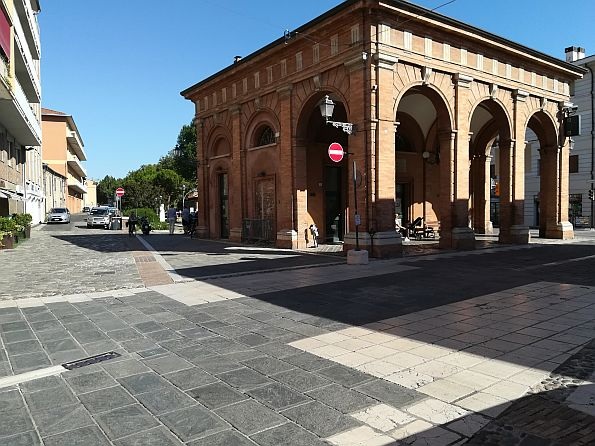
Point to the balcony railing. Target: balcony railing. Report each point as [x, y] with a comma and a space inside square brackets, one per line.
[75, 164]
[25, 68]
[75, 184]
[76, 144]
[31, 31]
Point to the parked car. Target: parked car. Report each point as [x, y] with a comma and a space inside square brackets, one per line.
[87, 209]
[99, 217]
[58, 215]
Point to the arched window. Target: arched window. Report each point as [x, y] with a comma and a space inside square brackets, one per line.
[265, 136]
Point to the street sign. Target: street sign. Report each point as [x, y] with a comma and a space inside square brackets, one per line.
[119, 191]
[335, 152]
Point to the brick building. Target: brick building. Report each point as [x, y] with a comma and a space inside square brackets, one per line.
[430, 98]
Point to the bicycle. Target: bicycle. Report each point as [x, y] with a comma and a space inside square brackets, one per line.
[192, 226]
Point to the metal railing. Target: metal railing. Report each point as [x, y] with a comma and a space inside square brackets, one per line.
[256, 230]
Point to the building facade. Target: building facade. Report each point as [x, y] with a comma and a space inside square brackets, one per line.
[91, 195]
[20, 112]
[64, 153]
[430, 99]
[54, 186]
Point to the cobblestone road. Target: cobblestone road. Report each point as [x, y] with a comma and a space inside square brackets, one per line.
[68, 259]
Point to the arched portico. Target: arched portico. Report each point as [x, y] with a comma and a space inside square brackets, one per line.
[321, 189]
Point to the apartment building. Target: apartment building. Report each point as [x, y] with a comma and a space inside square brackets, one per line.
[21, 177]
[63, 153]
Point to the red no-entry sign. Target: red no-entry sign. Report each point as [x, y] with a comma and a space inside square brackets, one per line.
[120, 191]
[336, 152]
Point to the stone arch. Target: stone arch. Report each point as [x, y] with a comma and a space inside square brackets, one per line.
[498, 110]
[218, 142]
[435, 95]
[255, 123]
[310, 105]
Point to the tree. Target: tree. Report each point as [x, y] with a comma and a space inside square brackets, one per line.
[106, 188]
[184, 163]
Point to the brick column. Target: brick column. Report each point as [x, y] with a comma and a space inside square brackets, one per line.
[462, 236]
[506, 149]
[519, 232]
[202, 181]
[481, 194]
[286, 233]
[386, 241]
[235, 177]
[554, 193]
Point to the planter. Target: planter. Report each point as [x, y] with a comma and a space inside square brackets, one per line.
[28, 232]
[8, 242]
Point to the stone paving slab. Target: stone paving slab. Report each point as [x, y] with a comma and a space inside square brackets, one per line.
[253, 368]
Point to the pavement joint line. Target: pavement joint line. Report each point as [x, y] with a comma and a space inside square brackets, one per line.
[166, 266]
[30, 376]
[560, 262]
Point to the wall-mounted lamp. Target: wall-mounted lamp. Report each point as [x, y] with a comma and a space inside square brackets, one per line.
[431, 157]
[327, 106]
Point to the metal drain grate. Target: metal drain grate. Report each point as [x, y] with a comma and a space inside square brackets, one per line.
[90, 360]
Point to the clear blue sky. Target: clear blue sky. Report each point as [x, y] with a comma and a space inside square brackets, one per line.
[118, 66]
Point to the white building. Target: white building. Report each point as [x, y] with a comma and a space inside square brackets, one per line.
[21, 173]
[583, 155]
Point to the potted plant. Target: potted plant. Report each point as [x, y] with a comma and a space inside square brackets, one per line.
[24, 220]
[7, 229]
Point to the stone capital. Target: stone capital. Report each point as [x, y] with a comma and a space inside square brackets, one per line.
[285, 91]
[235, 109]
[462, 80]
[386, 61]
[356, 62]
[520, 95]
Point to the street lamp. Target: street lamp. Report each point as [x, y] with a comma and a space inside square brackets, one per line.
[183, 194]
[327, 106]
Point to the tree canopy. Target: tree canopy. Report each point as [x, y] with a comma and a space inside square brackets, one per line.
[153, 184]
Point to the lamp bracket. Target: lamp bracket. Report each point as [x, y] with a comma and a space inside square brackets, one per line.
[347, 127]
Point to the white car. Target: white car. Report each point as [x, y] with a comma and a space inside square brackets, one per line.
[59, 215]
[99, 217]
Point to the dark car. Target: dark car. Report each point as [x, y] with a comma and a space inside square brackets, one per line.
[87, 209]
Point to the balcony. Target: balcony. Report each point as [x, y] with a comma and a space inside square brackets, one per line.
[76, 166]
[29, 24]
[25, 67]
[77, 186]
[17, 115]
[75, 143]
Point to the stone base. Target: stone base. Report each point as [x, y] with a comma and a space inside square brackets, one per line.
[287, 239]
[202, 231]
[519, 234]
[357, 257]
[463, 238]
[381, 245]
[235, 235]
[563, 231]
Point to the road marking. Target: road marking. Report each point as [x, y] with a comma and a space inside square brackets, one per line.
[30, 376]
[561, 262]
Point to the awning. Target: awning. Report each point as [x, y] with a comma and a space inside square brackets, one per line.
[11, 195]
[3, 195]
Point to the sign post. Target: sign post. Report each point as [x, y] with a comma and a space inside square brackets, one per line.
[357, 217]
[119, 193]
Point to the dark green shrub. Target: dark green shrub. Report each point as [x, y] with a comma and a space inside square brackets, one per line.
[23, 219]
[143, 212]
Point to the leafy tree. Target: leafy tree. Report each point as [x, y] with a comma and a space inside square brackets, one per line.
[184, 163]
[106, 189]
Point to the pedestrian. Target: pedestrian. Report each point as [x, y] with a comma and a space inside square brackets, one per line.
[186, 219]
[314, 234]
[171, 218]
[132, 224]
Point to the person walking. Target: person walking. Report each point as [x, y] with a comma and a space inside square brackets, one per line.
[171, 218]
[132, 221]
[314, 233]
[185, 219]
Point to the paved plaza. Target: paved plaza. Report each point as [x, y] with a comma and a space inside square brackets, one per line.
[221, 344]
